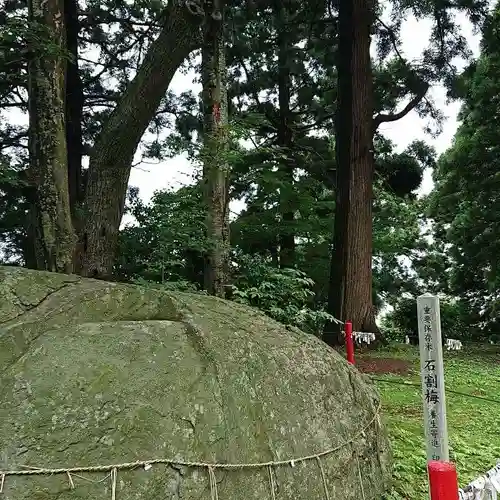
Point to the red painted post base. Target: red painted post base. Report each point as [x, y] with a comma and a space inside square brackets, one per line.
[443, 480]
[349, 343]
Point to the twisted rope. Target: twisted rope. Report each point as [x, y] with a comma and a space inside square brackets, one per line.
[113, 468]
[114, 475]
[323, 477]
[214, 494]
[272, 485]
[361, 480]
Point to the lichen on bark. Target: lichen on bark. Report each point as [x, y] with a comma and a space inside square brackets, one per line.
[215, 147]
[47, 136]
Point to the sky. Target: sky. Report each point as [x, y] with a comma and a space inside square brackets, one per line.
[177, 171]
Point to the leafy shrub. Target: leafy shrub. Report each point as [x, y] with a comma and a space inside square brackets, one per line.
[174, 286]
[285, 295]
[455, 321]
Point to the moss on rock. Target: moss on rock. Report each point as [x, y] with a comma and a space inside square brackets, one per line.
[95, 373]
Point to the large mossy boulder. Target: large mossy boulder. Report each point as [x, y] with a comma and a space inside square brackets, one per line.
[101, 374]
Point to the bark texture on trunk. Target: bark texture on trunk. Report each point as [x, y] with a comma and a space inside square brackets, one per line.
[34, 255]
[215, 137]
[54, 234]
[350, 293]
[112, 155]
[285, 139]
[74, 108]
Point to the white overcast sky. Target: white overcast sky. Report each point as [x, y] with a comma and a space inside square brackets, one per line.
[177, 171]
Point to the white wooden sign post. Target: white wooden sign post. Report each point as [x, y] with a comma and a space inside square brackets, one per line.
[432, 374]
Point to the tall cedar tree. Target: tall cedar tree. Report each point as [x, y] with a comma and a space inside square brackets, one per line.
[52, 225]
[350, 294]
[215, 136]
[74, 108]
[285, 134]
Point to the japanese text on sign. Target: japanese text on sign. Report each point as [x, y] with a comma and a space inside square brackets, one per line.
[432, 375]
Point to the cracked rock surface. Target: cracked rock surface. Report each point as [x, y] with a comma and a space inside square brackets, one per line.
[97, 373]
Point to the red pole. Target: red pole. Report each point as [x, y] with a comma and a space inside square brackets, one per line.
[443, 480]
[349, 344]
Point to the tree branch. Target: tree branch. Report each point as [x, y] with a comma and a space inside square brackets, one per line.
[317, 123]
[419, 95]
[14, 141]
[392, 117]
[393, 37]
[255, 96]
[113, 152]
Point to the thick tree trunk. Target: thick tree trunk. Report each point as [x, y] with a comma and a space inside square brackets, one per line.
[350, 293]
[33, 251]
[111, 158]
[47, 141]
[285, 139]
[74, 108]
[215, 137]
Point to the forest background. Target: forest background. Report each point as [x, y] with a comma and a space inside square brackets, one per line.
[277, 163]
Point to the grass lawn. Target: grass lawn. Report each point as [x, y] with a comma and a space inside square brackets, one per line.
[473, 424]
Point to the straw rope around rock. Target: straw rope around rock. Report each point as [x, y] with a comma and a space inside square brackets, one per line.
[323, 478]
[272, 484]
[38, 471]
[214, 494]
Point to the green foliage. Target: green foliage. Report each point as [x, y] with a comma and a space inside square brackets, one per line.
[13, 210]
[167, 241]
[286, 295]
[455, 319]
[465, 205]
[396, 77]
[397, 243]
[174, 286]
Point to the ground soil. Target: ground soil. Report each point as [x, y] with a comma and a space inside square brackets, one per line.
[367, 364]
